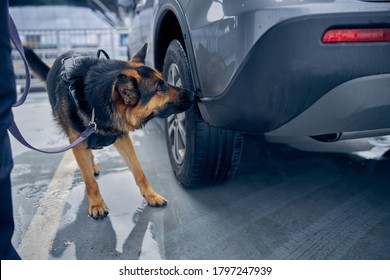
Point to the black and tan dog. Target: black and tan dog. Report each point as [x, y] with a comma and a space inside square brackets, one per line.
[119, 96]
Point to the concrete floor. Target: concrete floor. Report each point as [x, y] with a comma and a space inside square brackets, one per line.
[291, 199]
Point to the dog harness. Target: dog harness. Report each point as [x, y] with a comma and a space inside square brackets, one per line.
[95, 140]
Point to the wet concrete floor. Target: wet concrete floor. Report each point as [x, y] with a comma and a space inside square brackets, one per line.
[291, 199]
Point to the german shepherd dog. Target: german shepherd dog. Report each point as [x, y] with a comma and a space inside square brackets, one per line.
[122, 96]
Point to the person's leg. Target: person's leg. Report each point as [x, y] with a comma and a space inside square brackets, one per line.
[7, 251]
[7, 98]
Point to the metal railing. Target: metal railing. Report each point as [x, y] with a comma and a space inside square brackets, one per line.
[49, 44]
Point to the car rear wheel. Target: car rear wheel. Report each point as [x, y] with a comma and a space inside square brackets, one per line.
[199, 154]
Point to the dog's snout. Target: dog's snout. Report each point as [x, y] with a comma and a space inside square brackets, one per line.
[179, 101]
[184, 96]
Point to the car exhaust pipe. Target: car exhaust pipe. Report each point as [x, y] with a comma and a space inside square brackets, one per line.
[329, 138]
[334, 137]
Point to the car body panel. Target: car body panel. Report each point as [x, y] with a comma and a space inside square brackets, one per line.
[230, 29]
[289, 69]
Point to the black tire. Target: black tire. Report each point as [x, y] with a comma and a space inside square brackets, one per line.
[199, 154]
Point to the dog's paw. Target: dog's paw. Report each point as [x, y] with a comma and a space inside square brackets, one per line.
[96, 170]
[98, 211]
[155, 200]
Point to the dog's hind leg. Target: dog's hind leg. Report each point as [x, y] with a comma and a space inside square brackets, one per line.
[125, 147]
[97, 208]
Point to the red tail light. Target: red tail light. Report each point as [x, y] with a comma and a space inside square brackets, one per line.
[356, 35]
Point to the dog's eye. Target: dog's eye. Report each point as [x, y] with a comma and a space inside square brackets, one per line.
[161, 86]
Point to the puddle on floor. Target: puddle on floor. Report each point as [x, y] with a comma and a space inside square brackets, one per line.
[129, 220]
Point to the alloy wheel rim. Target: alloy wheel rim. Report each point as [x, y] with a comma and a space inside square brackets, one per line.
[176, 123]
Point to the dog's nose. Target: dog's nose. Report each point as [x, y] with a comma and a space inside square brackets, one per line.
[187, 97]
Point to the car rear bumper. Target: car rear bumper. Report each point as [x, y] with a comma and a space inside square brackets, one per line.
[359, 104]
[292, 84]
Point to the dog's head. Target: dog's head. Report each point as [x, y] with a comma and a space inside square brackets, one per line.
[141, 93]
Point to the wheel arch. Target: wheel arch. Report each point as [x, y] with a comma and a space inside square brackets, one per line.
[168, 28]
[171, 24]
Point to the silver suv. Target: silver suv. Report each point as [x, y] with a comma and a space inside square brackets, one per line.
[290, 68]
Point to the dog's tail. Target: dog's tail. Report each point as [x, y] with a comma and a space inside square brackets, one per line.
[38, 67]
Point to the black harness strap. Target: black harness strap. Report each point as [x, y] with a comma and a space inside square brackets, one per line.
[68, 64]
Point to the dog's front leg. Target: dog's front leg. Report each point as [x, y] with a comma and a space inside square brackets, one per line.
[125, 147]
[97, 208]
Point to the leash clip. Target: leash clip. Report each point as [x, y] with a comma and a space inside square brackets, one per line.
[92, 123]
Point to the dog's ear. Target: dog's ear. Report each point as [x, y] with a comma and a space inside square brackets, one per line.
[140, 56]
[127, 88]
